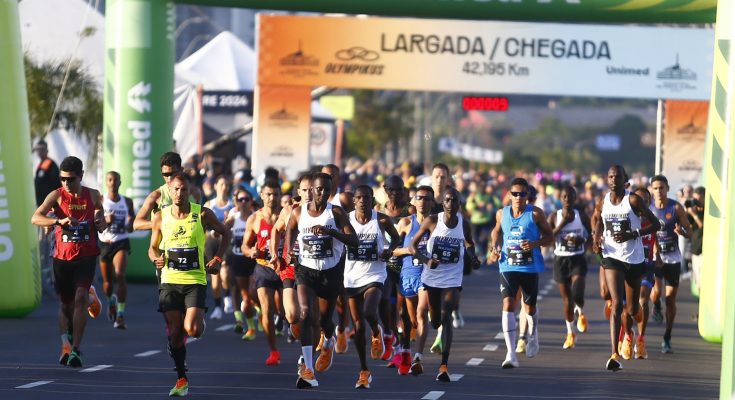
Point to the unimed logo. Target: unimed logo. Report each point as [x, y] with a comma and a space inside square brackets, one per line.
[6, 243]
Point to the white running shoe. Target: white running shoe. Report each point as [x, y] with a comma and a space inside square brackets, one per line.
[228, 309]
[511, 361]
[532, 346]
[457, 320]
[216, 313]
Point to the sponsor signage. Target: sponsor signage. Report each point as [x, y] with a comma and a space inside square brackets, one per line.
[227, 102]
[469, 152]
[685, 128]
[483, 56]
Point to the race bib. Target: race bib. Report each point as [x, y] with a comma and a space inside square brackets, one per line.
[317, 247]
[666, 242]
[445, 251]
[76, 234]
[367, 250]
[569, 244]
[118, 226]
[422, 249]
[616, 225]
[517, 256]
[183, 259]
[237, 246]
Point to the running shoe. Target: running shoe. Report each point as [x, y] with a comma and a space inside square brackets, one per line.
[228, 307]
[216, 313]
[640, 349]
[395, 360]
[341, 346]
[75, 359]
[249, 335]
[180, 389]
[570, 341]
[238, 327]
[443, 375]
[614, 364]
[416, 367]
[377, 345]
[301, 365]
[306, 379]
[120, 322]
[321, 342]
[521, 346]
[388, 350]
[627, 348]
[363, 382]
[511, 361]
[666, 346]
[608, 309]
[95, 306]
[582, 323]
[274, 358]
[656, 316]
[325, 356]
[457, 319]
[65, 351]
[436, 348]
[405, 366]
[112, 308]
[532, 346]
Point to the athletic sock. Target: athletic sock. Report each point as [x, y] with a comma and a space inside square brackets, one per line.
[509, 330]
[65, 339]
[532, 320]
[238, 316]
[308, 352]
[418, 356]
[570, 326]
[120, 308]
[577, 309]
[251, 323]
[179, 356]
[667, 335]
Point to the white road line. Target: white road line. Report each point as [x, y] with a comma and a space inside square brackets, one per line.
[225, 327]
[473, 362]
[147, 353]
[191, 340]
[548, 287]
[39, 383]
[433, 395]
[455, 377]
[96, 368]
[539, 297]
[543, 292]
[490, 347]
[500, 336]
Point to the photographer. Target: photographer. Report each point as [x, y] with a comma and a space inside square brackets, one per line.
[695, 211]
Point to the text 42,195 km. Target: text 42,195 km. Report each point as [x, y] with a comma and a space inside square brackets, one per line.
[495, 68]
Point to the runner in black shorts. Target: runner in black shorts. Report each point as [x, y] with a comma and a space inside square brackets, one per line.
[242, 267]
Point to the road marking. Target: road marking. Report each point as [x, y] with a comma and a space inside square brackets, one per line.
[39, 383]
[473, 362]
[433, 395]
[455, 377]
[539, 297]
[548, 286]
[490, 347]
[147, 353]
[96, 368]
[543, 292]
[191, 340]
[500, 336]
[225, 327]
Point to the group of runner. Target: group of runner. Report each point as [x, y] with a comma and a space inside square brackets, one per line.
[392, 269]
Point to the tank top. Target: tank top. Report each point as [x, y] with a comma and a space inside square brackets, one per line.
[411, 265]
[318, 252]
[118, 229]
[238, 232]
[335, 200]
[75, 242]
[515, 230]
[183, 247]
[363, 265]
[220, 212]
[621, 218]
[263, 241]
[445, 245]
[668, 240]
[566, 239]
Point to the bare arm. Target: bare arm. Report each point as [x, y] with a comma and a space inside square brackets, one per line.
[142, 223]
[681, 216]
[496, 238]
[249, 239]
[395, 240]
[403, 226]
[292, 227]
[427, 225]
[344, 232]
[469, 244]
[154, 252]
[99, 211]
[40, 217]
[597, 227]
[131, 214]
[636, 203]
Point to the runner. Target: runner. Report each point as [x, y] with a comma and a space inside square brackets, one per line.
[256, 244]
[524, 231]
[674, 222]
[242, 267]
[365, 272]
[219, 205]
[617, 236]
[115, 247]
[571, 229]
[78, 218]
[410, 281]
[651, 256]
[177, 249]
[449, 237]
[323, 229]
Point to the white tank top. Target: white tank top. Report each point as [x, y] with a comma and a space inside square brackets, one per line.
[238, 232]
[447, 246]
[621, 218]
[362, 265]
[318, 252]
[117, 230]
[566, 239]
[335, 200]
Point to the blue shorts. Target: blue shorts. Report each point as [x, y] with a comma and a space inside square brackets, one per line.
[648, 275]
[410, 285]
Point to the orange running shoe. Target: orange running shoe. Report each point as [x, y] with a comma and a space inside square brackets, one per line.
[321, 342]
[363, 382]
[95, 306]
[608, 309]
[342, 344]
[306, 379]
[65, 351]
[325, 357]
[443, 375]
[377, 345]
[181, 388]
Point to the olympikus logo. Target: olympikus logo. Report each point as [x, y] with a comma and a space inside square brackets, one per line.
[310, 229]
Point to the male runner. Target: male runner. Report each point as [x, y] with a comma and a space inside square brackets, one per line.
[115, 247]
[242, 267]
[79, 217]
[220, 206]
[449, 237]
[651, 256]
[177, 249]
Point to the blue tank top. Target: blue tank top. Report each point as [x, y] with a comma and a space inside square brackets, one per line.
[221, 211]
[411, 265]
[668, 240]
[515, 230]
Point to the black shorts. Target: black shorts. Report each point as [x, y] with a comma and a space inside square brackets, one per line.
[178, 297]
[360, 291]
[326, 283]
[70, 275]
[670, 273]
[266, 277]
[108, 250]
[389, 288]
[527, 281]
[241, 266]
[565, 267]
[632, 272]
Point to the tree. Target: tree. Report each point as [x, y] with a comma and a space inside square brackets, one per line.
[380, 118]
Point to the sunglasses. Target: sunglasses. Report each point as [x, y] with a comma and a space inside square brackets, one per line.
[243, 199]
[167, 174]
[68, 178]
[318, 188]
[519, 194]
[419, 198]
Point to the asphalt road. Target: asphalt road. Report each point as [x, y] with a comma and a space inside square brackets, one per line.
[133, 364]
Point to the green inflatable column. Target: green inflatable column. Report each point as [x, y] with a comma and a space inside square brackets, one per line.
[20, 277]
[138, 113]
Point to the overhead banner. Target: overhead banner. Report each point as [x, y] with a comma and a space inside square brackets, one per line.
[473, 56]
[653, 11]
[684, 133]
[281, 131]
[227, 102]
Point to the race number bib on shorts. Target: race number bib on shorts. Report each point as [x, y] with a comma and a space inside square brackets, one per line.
[367, 250]
[75, 234]
[317, 247]
[517, 256]
[616, 225]
[445, 250]
[183, 259]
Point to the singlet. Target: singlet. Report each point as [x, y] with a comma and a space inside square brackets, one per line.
[363, 265]
[238, 232]
[335, 200]
[263, 241]
[411, 265]
[445, 245]
[74, 242]
[566, 239]
[394, 263]
[318, 252]
[621, 218]
[166, 199]
[220, 212]
[515, 231]
[117, 230]
[668, 240]
[183, 247]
